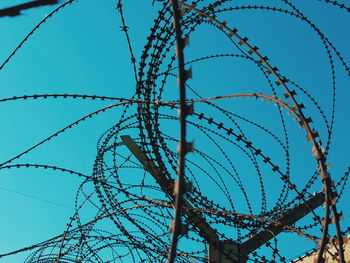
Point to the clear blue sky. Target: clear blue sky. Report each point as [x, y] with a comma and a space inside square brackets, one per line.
[82, 50]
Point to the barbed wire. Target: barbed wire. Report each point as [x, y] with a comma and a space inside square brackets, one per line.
[213, 208]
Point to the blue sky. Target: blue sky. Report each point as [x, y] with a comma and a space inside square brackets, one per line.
[82, 50]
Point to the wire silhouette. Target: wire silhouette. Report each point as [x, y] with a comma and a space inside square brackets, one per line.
[132, 216]
[16, 10]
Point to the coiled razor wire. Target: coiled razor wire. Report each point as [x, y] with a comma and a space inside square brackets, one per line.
[131, 217]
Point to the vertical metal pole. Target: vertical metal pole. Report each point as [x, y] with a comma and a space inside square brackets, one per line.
[176, 225]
